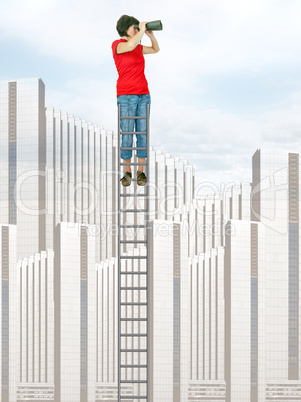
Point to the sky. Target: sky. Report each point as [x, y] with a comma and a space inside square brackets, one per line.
[227, 79]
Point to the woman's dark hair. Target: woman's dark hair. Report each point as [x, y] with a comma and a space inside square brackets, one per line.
[123, 24]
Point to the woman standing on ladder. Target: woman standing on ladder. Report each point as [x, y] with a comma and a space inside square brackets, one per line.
[132, 88]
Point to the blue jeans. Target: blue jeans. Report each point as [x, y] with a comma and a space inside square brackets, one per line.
[133, 105]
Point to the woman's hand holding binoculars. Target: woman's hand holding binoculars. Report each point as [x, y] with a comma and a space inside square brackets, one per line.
[149, 33]
[142, 26]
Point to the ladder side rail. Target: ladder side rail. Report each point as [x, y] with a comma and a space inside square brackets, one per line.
[147, 254]
[119, 267]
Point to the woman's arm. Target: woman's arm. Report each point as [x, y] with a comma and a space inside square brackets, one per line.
[155, 46]
[132, 42]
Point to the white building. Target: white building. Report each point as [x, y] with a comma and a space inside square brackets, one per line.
[81, 178]
[35, 309]
[245, 313]
[207, 326]
[9, 340]
[276, 204]
[75, 314]
[224, 268]
[22, 173]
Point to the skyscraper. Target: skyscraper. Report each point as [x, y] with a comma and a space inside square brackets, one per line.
[75, 314]
[9, 340]
[276, 205]
[224, 269]
[35, 329]
[22, 142]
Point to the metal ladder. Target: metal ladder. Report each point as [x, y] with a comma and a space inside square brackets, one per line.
[133, 284]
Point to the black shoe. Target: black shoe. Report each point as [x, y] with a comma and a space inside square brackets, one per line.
[127, 179]
[141, 178]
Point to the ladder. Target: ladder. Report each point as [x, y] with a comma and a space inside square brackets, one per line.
[133, 281]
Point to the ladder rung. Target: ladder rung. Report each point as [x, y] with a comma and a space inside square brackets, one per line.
[133, 195]
[133, 381]
[132, 257]
[133, 319]
[133, 117]
[132, 164]
[133, 288]
[133, 350]
[133, 335]
[133, 210]
[133, 226]
[134, 366]
[133, 241]
[134, 304]
[133, 148]
[133, 273]
[132, 132]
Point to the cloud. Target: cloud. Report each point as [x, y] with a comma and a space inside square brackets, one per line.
[75, 31]
[190, 128]
[200, 43]
[198, 37]
[282, 127]
[90, 99]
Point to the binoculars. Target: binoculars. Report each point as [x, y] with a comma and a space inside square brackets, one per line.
[152, 26]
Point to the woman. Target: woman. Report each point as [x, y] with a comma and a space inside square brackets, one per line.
[132, 88]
